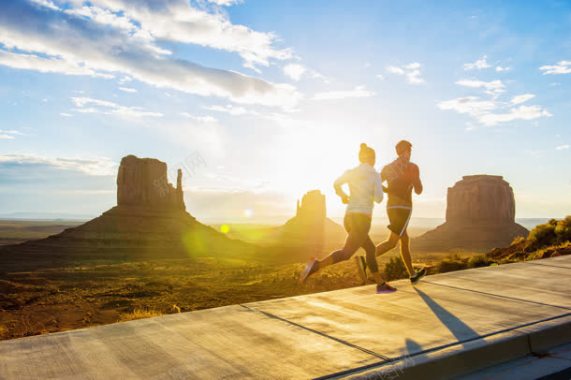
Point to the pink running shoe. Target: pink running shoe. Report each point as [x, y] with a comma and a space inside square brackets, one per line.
[385, 288]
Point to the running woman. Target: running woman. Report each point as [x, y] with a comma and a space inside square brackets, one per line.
[365, 188]
[402, 176]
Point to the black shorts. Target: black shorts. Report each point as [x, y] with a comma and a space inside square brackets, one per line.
[399, 216]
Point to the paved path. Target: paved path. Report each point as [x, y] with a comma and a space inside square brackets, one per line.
[449, 325]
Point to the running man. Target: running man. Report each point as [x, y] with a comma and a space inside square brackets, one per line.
[402, 176]
[365, 188]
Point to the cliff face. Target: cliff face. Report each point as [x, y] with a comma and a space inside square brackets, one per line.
[480, 214]
[143, 182]
[481, 199]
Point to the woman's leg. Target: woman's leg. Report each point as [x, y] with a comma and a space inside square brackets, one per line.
[370, 250]
[351, 246]
[352, 243]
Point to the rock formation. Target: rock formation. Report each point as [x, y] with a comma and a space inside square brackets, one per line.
[142, 182]
[311, 210]
[310, 227]
[148, 222]
[480, 214]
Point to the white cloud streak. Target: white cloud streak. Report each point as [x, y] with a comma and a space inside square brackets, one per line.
[90, 105]
[200, 119]
[296, 72]
[9, 134]
[128, 89]
[502, 69]
[412, 72]
[562, 147]
[518, 99]
[99, 166]
[480, 64]
[561, 67]
[357, 92]
[491, 112]
[494, 87]
[231, 110]
[513, 114]
[225, 3]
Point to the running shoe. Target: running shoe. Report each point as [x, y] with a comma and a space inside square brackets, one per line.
[362, 268]
[310, 268]
[385, 288]
[417, 276]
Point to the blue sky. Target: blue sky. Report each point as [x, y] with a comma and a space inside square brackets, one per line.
[275, 97]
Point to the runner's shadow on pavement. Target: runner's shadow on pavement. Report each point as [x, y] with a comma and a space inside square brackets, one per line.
[457, 327]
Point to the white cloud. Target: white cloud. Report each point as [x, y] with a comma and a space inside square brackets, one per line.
[128, 89]
[480, 64]
[100, 43]
[357, 92]
[225, 3]
[46, 3]
[562, 67]
[179, 21]
[380, 76]
[98, 166]
[471, 105]
[518, 113]
[494, 87]
[412, 72]
[562, 147]
[90, 105]
[46, 65]
[104, 17]
[296, 72]
[231, 110]
[501, 69]
[492, 112]
[9, 134]
[518, 99]
[201, 119]
[65, 114]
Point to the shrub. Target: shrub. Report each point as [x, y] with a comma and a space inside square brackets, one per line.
[563, 230]
[479, 261]
[542, 235]
[395, 269]
[139, 314]
[452, 263]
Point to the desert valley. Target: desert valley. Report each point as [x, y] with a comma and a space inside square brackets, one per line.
[149, 256]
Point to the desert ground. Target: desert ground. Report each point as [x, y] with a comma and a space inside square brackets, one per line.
[81, 294]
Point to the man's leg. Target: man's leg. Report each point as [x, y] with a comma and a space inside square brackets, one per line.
[387, 245]
[405, 253]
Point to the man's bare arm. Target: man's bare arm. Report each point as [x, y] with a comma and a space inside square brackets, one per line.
[417, 183]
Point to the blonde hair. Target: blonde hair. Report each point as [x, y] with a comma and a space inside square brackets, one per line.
[366, 153]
